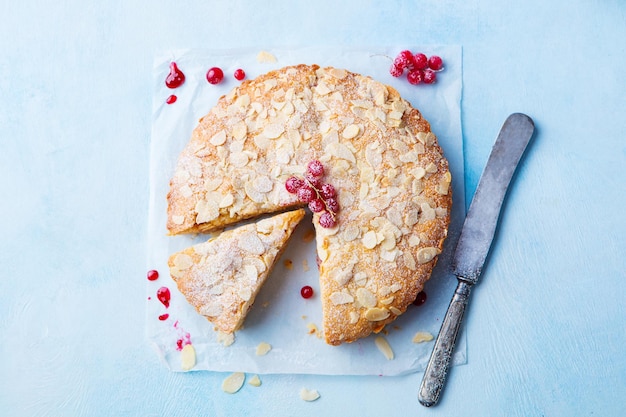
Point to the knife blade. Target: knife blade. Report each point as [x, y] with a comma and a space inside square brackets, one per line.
[474, 243]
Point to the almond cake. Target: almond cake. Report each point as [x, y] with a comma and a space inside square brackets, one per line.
[391, 178]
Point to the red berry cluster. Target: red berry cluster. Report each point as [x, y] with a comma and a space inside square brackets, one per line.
[321, 197]
[419, 67]
[215, 75]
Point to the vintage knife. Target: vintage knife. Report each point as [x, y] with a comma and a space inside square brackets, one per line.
[474, 243]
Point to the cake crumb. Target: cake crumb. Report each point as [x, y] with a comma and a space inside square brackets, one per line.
[225, 339]
[305, 265]
[288, 264]
[309, 235]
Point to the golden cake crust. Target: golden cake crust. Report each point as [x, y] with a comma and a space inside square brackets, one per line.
[392, 182]
[222, 276]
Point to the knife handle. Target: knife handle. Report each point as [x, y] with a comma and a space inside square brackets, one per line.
[437, 369]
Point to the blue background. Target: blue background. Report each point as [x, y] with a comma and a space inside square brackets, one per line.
[546, 328]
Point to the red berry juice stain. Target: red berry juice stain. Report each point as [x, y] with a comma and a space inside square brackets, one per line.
[153, 275]
[420, 299]
[171, 99]
[164, 317]
[184, 337]
[175, 78]
[163, 294]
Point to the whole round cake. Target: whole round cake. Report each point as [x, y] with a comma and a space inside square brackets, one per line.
[390, 184]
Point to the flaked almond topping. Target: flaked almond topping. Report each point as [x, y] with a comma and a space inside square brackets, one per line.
[273, 131]
[218, 139]
[387, 301]
[365, 297]
[409, 261]
[376, 314]
[370, 240]
[383, 345]
[338, 73]
[183, 261]
[351, 131]
[395, 310]
[239, 130]
[207, 211]
[244, 293]
[340, 297]
[178, 219]
[350, 233]
[421, 337]
[238, 159]
[431, 168]
[354, 317]
[211, 310]
[425, 255]
[251, 243]
[233, 382]
[227, 201]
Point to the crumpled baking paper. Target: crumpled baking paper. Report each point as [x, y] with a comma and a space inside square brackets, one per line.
[280, 316]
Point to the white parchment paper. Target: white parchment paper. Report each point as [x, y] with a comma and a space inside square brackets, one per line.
[280, 316]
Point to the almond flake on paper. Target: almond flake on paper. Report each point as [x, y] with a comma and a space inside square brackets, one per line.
[384, 347]
[188, 358]
[263, 348]
[421, 337]
[265, 57]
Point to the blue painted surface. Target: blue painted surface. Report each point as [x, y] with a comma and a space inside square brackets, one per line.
[546, 327]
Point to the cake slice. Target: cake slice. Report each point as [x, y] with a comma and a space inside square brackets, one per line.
[222, 276]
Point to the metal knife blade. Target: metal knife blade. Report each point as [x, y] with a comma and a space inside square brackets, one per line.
[474, 243]
[481, 220]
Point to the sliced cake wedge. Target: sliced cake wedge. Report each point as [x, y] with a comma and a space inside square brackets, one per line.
[222, 276]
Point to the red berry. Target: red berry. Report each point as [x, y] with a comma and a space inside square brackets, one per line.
[313, 180]
[327, 220]
[316, 205]
[171, 99]
[153, 275]
[421, 61]
[420, 299]
[430, 76]
[163, 294]
[328, 191]
[332, 205]
[214, 75]
[315, 168]
[293, 184]
[239, 74]
[404, 60]
[305, 194]
[306, 292]
[435, 63]
[395, 70]
[415, 77]
[175, 78]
